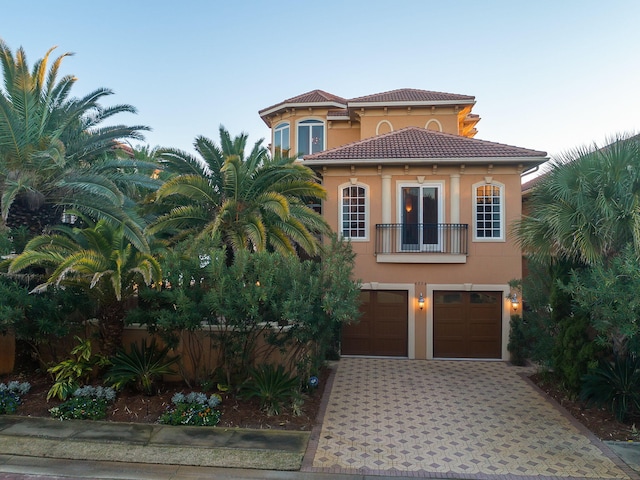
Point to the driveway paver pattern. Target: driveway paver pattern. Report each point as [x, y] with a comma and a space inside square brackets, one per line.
[462, 419]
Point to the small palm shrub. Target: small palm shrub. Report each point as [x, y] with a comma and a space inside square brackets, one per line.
[141, 366]
[87, 403]
[273, 386]
[615, 385]
[10, 394]
[194, 409]
[69, 374]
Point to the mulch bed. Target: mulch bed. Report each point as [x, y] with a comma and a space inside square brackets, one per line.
[134, 407]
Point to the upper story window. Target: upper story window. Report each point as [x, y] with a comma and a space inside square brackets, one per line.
[281, 142]
[353, 212]
[310, 137]
[488, 217]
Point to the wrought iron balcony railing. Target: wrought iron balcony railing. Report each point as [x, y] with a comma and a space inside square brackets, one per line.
[447, 238]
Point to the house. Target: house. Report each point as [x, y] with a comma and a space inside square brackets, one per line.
[427, 209]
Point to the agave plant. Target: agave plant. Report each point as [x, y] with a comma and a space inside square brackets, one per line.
[273, 386]
[141, 366]
[615, 385]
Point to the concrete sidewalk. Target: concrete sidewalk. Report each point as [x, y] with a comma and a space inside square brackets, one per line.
[41, 448]
[151, 444]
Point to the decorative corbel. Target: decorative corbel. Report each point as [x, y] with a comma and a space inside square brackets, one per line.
[379, 169]
[490, 169]
[406, 169]
[462, 167]
[520, 169]
[435, 168]
[353, 169]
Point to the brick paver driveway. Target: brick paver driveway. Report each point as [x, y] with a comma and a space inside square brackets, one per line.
[460, 419]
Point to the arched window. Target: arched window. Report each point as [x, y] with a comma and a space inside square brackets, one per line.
[310, 137]
[354, 217]
[488, 205]
[281, 139]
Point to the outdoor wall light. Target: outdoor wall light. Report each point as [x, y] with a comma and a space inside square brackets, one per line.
[421, 302]
[513, 298]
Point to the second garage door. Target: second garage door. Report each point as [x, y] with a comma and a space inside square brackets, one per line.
[467, 324]
[382, 329]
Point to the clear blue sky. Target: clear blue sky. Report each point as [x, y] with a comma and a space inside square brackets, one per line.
[549, 75]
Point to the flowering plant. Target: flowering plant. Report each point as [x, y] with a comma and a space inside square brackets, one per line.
[195, 408]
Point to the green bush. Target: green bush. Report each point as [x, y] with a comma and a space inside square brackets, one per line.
[9, 402]
[615, 385]
[517, 341]
[141, 366]
[80, 408]
[273, 386]
[10, 396]
[87, 403]
[194, 409]
[74, 371]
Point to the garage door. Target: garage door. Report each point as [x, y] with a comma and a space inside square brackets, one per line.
[467, 324]
[382, 329]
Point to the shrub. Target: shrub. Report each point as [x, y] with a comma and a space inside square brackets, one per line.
[9, 402]
[517, 341]
[615, 385]
[140, 366]
[10, 396]
[273, 386]
[72, 372]
[87, 403]
[194, 409]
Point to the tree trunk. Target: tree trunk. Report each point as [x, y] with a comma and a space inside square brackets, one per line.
[111, 317]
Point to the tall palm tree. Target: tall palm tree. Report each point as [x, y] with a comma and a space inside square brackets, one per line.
[587, 207]
[100, 260]
[254, 202]
[55, 152]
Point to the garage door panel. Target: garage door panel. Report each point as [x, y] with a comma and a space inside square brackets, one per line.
[382, 329]
[467, 325]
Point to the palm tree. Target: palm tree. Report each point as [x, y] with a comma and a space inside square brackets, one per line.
[55, 154]
[98, 259]
[587, 207]
[254, 202]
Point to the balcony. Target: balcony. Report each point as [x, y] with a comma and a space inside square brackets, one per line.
[422, 243]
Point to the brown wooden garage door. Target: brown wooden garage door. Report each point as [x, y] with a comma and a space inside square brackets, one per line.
[467, 324]
[382, 329]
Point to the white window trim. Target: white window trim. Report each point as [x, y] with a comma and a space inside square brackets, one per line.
[366, 211]
[281, 126]
[503, 212]
[382, 122]
[324, 135]
[437, 122]
[438, 184]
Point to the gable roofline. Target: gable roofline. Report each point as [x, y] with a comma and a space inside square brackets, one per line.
[411, 97]
[314, 99]
[402, 97]
[419, 145]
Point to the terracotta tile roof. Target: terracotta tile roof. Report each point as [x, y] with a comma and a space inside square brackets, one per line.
[314, 97]
[421, 144]
[412, 95]
[529, 184]
[338, 113]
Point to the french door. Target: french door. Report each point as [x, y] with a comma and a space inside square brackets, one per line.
[421, 216]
